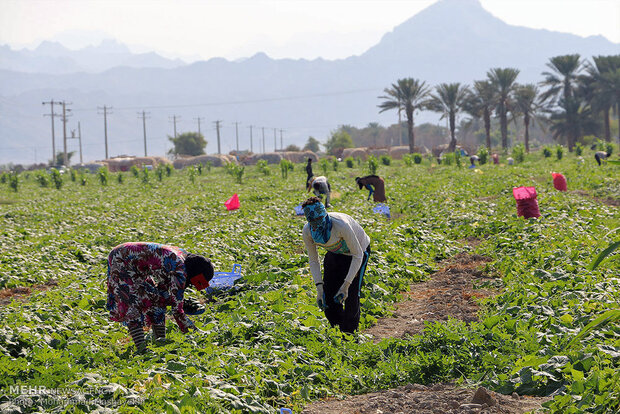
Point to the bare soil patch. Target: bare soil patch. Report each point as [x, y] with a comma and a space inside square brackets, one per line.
[448, 293]
[603, 200]
[21, 293]
[438, 398]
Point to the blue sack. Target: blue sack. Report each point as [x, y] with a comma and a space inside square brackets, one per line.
[382, 209]
[299, 211]
[224, 280]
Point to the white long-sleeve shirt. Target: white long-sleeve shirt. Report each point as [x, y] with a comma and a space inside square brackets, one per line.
[347, 237]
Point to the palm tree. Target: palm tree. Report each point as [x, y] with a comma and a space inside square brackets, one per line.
[407, 93]
[603, 94]
[562, 82]
[480, 103]
[503, 81]
[526, 104]
[449, 100]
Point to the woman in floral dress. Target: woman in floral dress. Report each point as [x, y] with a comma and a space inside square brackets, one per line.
[145, 278]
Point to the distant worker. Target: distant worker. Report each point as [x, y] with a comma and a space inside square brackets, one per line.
[319, 186]
[309, 172]
[375, 186]
[145, 278]
[510, 160]
[601, 155]
[344, 265]
[495, 158]
[473, 160]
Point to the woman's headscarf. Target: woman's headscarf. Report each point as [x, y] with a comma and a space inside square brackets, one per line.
[320, 223]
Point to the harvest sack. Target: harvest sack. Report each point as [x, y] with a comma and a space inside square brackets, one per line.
[527, 204]
[232, 203]
[559, 182]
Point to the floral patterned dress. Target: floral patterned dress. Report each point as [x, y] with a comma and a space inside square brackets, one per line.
[143, 279]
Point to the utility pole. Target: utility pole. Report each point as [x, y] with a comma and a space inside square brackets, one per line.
[251, 146]
[237, 135]
[143, 116]
[174, 122]
[263, 139]
[217, 128]
[198, 119]
[52, 115]
[79, 137]
[106, 111]
[65, 159]
[275, 140]
[281, 141]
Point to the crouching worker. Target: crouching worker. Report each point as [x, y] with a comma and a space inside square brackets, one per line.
[348, 249]
[601, 156]
[319, 186]
[375, 186]
[145, 278]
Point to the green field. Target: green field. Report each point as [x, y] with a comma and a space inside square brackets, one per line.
[267, 345]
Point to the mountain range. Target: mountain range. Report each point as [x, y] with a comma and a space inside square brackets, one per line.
[450, 41]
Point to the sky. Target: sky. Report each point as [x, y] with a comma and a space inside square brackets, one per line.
[233, 29]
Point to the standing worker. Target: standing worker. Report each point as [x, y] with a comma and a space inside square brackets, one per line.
[348, 249]
[319, 186]
[145, 278]
[375, 186]
[309, 172]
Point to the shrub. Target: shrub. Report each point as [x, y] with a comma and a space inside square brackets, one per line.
[263, 167]
[518, 153]
[457, 158]
[42, 179]
[14, 181]
[4, 177]
[285, 167]
[559, 151]
[56, 178]
[191, 171]
[609, 148]
[237, 171]
[449, 158]
[546, 152]
[386, 160]
[159, 172]
[209, 164]
[408, 160]
[483, 155]
[199, 168]
[104, 175]
[73, 174]
[349, 162]
[578, 149]
[145, 175]
[335, 164]
[82, 178]
[120, 178]
[135, 171]
[373, 164]
[324, 164]
[417, 158]
[169, 169]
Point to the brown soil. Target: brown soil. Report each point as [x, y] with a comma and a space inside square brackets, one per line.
[438, 398]
[21, 293]
[615, 202]
[448, 293]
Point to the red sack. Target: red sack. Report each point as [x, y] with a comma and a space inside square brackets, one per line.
[495, 159]
[527, 204]
[559, 182]
[232, 203]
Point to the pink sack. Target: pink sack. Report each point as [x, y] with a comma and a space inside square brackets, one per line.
[495, 159]
[559, 182]
[527, 204]
[232, 203]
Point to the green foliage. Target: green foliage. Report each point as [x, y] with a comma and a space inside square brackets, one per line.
[120, 177]
[408, 159]
[104, 175]
[145, 175]
[578, 149]
[73, 174]
[83, 179]
[386, 160]
[263, 167]
[546, 152]
[372, 163]
[170, 169]
[191, 172]
[209, 164]
[312, 145]
[13, 181]
[42, 178]
[417, 158]
[56, 178]
[449, 158]
[199, 168]
[338, 141]
[188, 143]
[518, 153]
[285, 167]
[483, 155]
[335, 164]
[324, 164]
[135, 171]
[160, 171]
[349, 162]
[457, 158]
[4, 177]
[236, 171]
[559, 151]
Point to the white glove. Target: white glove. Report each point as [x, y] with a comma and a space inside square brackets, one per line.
[320, 297]
[343, 293]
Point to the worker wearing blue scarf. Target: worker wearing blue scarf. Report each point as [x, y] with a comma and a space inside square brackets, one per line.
[320, 223]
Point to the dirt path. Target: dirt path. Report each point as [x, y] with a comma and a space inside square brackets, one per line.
[21, 293]
[450, 292]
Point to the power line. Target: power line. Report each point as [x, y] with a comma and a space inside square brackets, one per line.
[65, 159]
[144, 117]
[106, 110]
[52, 115]
[198, 119]
[237, 134]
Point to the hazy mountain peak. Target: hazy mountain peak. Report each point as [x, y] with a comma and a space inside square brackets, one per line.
[109, 46]
[50, 48]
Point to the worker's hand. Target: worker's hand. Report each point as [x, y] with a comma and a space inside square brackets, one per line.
[343, 293]
[320, 297]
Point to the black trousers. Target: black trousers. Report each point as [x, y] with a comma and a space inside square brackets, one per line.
[336, 267]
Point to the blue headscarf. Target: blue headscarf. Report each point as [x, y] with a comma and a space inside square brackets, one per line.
[320, 223]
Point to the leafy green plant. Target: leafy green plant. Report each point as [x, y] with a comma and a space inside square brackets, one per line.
[43, 179]
[559, 151]
[4, 177]
[263, 167]
[518, 153]
[372, 163]
[335, 164]
[483, 155]
[324, 165]
[417, 158]
[169, 169]
[135, 171]
[546, 152]
[56, 178]
[349, 162]
[160, 171]
[145, 175]
[578, 149]
[104, 175]
[191, 172]
[209, 164]
[14, 181]
[82, 177]
[120, 177]
[449, 158]
[386, 160]
[236, 171]
[285, 167]
[408, 160]
[73, 174]
[457, 158]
